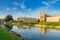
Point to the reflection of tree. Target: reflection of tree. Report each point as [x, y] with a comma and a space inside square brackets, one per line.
[1, 21]
[8, 25]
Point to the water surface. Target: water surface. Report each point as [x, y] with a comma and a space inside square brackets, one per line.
[35, 33]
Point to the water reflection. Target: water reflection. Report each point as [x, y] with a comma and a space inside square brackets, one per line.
[35, 33]
[43, 30]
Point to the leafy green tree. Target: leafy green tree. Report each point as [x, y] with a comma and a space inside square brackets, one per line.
[8, 18]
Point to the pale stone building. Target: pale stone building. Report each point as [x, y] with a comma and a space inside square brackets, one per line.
[26, 19]
[48, 18]
[53, 19]
[42, 17]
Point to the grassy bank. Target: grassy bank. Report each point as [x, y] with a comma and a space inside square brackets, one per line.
[39, 23]
[23, 23]
[49, 23]
[5, 35]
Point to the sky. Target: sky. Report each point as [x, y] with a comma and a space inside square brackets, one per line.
[29, 8]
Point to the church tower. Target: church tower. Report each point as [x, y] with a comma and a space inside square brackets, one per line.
[42, 17]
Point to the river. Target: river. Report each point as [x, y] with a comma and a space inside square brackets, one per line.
[35, 33]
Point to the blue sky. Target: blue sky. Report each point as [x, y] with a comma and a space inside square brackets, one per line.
[29, 8]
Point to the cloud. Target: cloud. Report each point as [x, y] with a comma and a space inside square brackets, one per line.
[29, 13]
[34, 13]
[49, 3]
[14, 8]
[16, 3]
[22, 5]
[46, 3]
[54, 1]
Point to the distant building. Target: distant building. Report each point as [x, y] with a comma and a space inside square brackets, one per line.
[26, 19]
[48, 18]
[42, 17]
[53, 19]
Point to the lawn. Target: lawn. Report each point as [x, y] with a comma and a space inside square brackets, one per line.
[40, 23]
[49, 23]
[5, 35]
[23, 23]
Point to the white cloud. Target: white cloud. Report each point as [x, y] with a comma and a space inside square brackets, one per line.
[54, 1]
[36, 13]
[22, 5]
[49, 3]
[16, 3]
[29, 13]
[46, 3]
[14, 8]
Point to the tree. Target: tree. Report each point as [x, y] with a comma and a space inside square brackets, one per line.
[38, 20]
[8, 18]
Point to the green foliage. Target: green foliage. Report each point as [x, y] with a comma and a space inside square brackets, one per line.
[8, 18]
[5, 35]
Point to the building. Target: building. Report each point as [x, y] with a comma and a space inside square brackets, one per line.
[53, 19]
[26, 19]
[48, 18]
[42, 17]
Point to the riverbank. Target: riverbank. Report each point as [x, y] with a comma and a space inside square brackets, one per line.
[55, 25]
[23, 23]
[49, 23]
[38, 23]
[5, 35]
[45, 26]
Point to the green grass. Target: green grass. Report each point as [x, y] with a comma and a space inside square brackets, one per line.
[5, 35]
[23, 23]
[40, 23]
[50, 23]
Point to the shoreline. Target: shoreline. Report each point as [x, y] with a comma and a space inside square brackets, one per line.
[46, 26]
